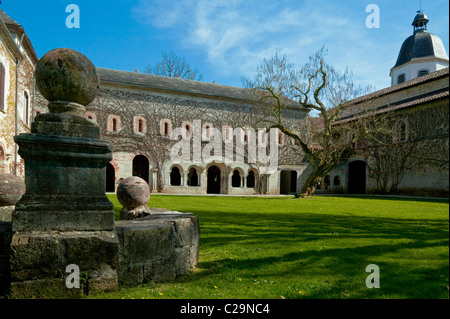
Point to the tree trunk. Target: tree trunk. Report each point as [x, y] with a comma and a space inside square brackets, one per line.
[309, 187]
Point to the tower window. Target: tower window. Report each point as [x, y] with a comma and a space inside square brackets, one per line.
[422, 72]
[401, 78]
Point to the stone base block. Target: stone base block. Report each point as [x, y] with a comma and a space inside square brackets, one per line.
[39, 261]
[160, 247]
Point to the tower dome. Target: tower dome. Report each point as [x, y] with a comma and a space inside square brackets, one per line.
[420, 54]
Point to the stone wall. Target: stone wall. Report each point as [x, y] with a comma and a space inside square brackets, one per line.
[157, 248]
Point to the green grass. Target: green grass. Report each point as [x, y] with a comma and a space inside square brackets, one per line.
[310, 248]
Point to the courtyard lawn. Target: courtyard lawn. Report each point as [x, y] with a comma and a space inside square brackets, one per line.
[309, 248]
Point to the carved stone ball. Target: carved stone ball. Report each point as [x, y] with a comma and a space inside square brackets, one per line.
[67, 75]
[12, 189]
[133, 192]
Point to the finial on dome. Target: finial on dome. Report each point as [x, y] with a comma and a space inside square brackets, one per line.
[420, 22]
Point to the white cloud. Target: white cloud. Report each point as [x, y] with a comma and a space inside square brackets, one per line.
[235, 35]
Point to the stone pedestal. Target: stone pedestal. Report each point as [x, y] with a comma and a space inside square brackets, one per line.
[160, 247]
[64, 218]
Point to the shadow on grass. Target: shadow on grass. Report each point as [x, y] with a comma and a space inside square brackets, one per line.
[392, 197]
[258, 228]
[324, 246]
[347, 267]
[329, 251]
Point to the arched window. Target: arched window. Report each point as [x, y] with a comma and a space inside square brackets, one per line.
[236, 179]
[139, 125]
[251, 179]
[192, 177]
[26, 108]
[401, 78]
[166, 129]
[422, 72]
[175, 176]
[114, 125]
[207, 131]
[2, 87]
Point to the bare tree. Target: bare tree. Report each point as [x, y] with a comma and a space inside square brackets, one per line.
[153, 142]
[418, 140]
[172, 65]
[315, 87]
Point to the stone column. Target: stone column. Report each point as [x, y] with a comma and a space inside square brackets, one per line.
[64, 218]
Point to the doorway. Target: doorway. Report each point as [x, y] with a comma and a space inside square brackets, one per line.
[288, 182]
[110, 178]
[357, 177]
[213, 182]
[141, 167]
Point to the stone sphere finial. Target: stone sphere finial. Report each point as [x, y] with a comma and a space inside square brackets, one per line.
[12, 189]
[68, 80]
[134, 193]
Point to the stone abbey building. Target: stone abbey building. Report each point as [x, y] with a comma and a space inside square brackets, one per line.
[139, 112]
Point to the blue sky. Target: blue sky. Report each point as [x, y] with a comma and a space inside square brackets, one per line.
[226, 40]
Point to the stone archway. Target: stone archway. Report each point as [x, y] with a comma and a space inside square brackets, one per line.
[213, 180]
[110, 178]
[357, 177]
[175, 176]
[192, 178]
[288, 182]
[141, 167]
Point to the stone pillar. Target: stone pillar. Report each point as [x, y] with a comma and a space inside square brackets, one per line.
[64, 218]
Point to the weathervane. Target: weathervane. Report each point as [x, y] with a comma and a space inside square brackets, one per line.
[420, 7]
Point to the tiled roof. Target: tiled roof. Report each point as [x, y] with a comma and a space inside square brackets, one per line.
[7, 19]
[429, 97]
[422, 79]
[177, 85]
